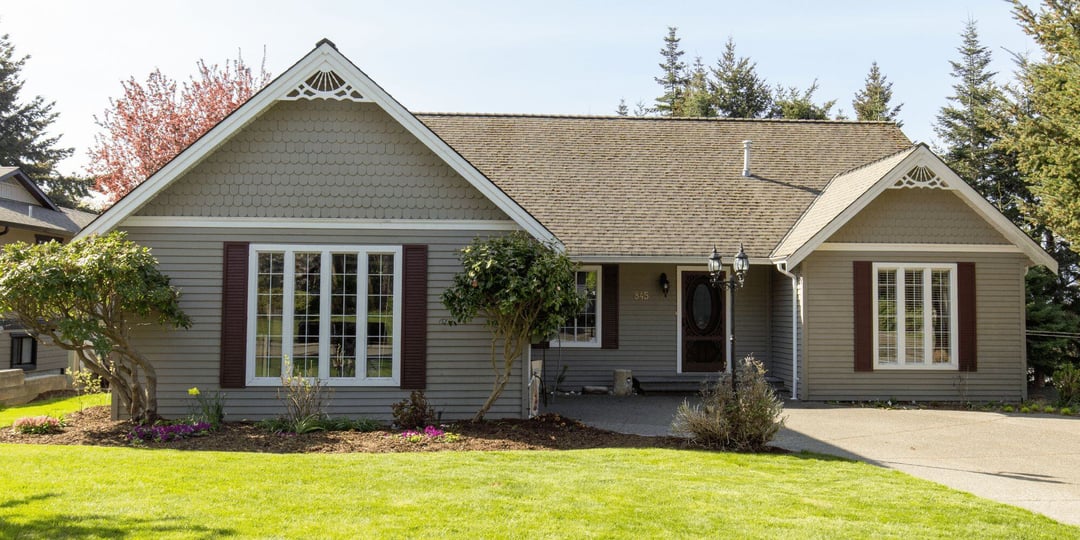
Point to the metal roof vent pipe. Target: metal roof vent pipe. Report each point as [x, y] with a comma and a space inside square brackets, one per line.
[746, 157]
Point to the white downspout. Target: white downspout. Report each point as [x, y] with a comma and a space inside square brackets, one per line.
[782, 268]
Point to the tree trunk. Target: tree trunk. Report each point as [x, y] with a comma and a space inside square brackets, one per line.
[512, 348]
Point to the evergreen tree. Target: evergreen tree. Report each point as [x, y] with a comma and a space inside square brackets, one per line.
[698, 101]
[793, 104]
[24, 142]
[972, 124]
[673, 78]
[622, 109]
[872, 102]
[640, 109]
[737, 90]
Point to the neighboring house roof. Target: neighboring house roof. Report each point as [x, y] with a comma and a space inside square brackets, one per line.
[620, 188]
[324, 73]
[917, 167]
[45, 218]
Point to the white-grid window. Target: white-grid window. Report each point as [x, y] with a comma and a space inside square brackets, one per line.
[916, 316]
[326, 312]
[583, 330]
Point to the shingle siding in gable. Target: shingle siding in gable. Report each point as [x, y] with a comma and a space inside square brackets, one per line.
[918, 216]
[323, 159]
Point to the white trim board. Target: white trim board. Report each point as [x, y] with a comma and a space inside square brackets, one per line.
[924, 248]
[324, 56]
[321, 223]
[656, 259]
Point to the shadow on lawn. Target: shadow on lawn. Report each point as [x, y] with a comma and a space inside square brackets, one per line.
[35, 524]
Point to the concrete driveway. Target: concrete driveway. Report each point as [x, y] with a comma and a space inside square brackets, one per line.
[1031, 461]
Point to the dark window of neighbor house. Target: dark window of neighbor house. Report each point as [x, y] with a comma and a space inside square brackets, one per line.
[44, 238]
[23, 352]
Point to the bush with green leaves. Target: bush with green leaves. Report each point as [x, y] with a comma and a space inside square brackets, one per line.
[85, 382]
[305, 402]
[209, 409]
[726, 420]
[38, 425]
[1067, 383]
[88, 296]
[523, 288]
[413, 412]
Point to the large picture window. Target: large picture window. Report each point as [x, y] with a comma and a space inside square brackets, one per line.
[916, 321]
[326, 312]
[583, 330]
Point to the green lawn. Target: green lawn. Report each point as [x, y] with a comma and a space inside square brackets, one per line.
[92, 492]
[53, 407]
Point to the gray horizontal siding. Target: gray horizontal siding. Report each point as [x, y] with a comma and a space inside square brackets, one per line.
[918, 216]
[323, 159]
[649, 331]
[830, 327]
[780, 320]
[459, 373]
[49, 357]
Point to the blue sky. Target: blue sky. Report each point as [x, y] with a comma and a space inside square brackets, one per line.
[528, 57]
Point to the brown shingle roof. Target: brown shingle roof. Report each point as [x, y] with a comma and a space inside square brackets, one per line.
[618, 186]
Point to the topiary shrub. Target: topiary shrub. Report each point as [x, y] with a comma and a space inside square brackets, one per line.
[414, 412]
[1067, 383]
[746, 422]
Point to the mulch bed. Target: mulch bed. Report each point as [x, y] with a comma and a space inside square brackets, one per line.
[93, 426]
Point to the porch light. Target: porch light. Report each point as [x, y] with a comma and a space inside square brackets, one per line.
[665, 285]
[740, 265]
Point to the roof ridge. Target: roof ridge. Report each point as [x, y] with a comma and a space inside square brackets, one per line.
[869, 163]
[654, 118]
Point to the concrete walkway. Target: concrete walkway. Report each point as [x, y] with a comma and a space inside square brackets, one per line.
[1031, 461]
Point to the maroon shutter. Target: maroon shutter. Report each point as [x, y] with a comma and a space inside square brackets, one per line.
[414, 326]
[609, 307]
[234, 294]
[965, 314]
[864, 315]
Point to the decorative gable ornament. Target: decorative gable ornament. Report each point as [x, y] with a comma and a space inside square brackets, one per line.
[920, 176]
[325, 84]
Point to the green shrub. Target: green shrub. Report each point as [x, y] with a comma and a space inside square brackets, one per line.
[85, 382]
[414, 412]
[724, 420]
[209, 409]
[1025, 409]
[38, 425]
[1049, 409]
[1008, 408]
[1066, 411]
[1067, 382]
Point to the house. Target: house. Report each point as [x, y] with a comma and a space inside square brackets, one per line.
[28, 215]
[875, 271]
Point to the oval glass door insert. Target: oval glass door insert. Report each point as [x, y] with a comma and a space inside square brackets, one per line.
[702, 307]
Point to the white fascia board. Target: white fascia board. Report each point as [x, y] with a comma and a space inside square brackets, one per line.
[920, 248]
[320, 223]
[265, 98]
[924, 156]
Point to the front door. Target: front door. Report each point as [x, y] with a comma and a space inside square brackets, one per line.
[703, 345]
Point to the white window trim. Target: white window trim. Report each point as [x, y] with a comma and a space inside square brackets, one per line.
[362, 252]
[598, 341]
[928, 337]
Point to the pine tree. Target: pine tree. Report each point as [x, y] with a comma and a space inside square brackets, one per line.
[737, 90]
[24, 141]
[673, 78]
[622, 109]
[698, 101]
[1045, 136]
[872, 102]
[791, 103]
[971, 127]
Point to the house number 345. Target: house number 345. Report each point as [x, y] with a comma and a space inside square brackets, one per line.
[641, 296]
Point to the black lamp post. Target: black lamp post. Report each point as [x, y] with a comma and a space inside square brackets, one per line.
[740, 265]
